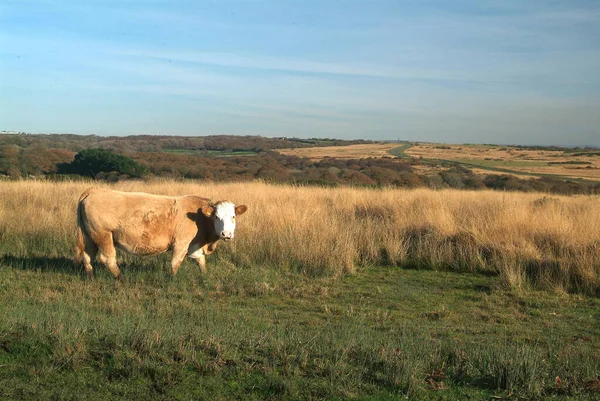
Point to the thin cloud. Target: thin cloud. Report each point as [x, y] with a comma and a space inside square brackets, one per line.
[467, 69]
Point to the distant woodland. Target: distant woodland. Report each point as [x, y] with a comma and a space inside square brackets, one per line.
[239, 158]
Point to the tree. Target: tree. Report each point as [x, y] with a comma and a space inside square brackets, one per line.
[101, 162]
[10, 156]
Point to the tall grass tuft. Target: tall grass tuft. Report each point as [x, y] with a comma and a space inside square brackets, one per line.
[528, 239]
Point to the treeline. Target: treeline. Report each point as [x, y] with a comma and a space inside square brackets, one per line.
[21, 160]
[278, 168]
[158, 143]
[17, 161]
[275, 167]
[24, 155]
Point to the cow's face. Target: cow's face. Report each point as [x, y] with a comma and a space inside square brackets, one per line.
[223, 215]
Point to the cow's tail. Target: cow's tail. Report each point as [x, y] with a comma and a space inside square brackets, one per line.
[80, 245]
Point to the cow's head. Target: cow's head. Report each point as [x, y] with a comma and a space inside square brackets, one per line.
[223, 215]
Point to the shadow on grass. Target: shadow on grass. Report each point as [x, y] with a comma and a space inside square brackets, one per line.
[43, 263]
[417, 265]
[135, 267]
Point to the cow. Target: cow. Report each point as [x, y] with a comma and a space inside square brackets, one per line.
[147, 224]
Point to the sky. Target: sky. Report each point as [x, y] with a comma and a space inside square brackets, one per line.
[466, 71]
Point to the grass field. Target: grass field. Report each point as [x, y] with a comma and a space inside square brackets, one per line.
[520, 161]
[325, 293]
[482, 159]
[343, 152]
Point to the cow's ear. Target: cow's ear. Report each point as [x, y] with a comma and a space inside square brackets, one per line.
[207, 210]
[241, 209]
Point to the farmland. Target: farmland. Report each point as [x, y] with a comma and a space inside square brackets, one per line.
[325, 293]
[343, 152]
[516, 160]
[483, 159]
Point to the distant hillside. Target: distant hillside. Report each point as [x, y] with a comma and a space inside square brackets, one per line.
[246, 158]
[158, 143]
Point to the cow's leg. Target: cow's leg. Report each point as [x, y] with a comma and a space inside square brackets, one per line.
[199, 256]
[178, 256]
[89, 254]
[86, 250]
[108, 253]
[200, 259]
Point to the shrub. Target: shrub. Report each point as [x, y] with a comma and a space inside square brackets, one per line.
[100, 163]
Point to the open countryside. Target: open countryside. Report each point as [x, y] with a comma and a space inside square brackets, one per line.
[324, 293]
[300, 200]
[539, 161]
[483, 159]
[333, 162]
[360, 151]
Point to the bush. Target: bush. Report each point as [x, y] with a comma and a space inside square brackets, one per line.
[99, 163]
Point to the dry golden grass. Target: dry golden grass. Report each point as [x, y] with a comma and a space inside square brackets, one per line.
[528, 239]
[513, 158]
[343, 152]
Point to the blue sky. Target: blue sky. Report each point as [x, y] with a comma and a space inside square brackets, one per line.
[480, 71]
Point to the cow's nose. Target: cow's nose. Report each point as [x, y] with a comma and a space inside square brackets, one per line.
[226, 235]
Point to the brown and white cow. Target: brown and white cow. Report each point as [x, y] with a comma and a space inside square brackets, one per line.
[146, 224]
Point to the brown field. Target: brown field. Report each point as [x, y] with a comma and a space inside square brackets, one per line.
[481, 159]
[427, 170]
[513, 158]
[343, 152]
[528, 239]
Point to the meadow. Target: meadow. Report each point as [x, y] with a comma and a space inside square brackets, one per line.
[325, 293]
[533, 162]
[483, 159]
[357, 151]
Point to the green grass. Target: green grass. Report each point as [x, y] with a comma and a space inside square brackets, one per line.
[399, 151]
[263, 334]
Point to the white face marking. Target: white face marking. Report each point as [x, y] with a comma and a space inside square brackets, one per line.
[225, 220]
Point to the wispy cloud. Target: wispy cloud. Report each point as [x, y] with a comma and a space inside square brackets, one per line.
[457, 69]
[262, 62]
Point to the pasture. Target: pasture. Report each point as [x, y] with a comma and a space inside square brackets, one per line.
[521, 161]
[343, 152]
[481, 159]
[324, 293]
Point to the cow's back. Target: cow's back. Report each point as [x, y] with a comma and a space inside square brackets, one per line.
[138, 222]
